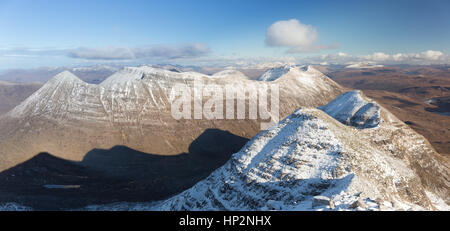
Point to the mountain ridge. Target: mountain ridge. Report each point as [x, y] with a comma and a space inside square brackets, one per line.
[68, 118]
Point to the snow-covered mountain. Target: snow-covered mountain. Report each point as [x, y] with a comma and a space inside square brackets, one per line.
[311, 161]
[69, 117]
[308, 76]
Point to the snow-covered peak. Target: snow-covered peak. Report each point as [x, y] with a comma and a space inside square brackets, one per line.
[144, 73]
[127, 74]
[289, 70]
[352, 108]
[275, 73]
[65, 76]
[57, 95]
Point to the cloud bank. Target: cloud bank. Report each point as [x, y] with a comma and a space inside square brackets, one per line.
[421, 58]
[297, 37]
[191, 50]
[199, 55]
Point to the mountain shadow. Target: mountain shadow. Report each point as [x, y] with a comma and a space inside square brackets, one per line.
[46, 182]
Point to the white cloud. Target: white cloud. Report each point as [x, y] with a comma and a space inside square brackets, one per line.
[378, 57]
[290, 33]
[155, 52]
[429, 56]
[31, 52]
[342, 54]
[311, 48]
[426, 57]
[296, 36]
[399, 57]
[337, 58]
[105, 53]
[432, 55]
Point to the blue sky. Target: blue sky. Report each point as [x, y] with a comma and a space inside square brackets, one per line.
[67, 32]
